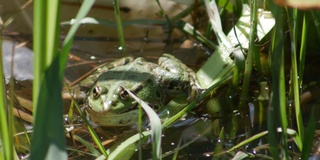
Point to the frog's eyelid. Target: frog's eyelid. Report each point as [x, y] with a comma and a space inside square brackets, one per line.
[96, 92]
[123, 93]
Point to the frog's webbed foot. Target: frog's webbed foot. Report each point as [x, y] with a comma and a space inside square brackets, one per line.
[193, 89]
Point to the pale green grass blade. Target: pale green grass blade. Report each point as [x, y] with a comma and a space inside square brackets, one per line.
[215, 21]
[46, 23]
[6, 140]
[241, 155]
[303, 48]
[39, 47]
[248, 140]
[219, 62]
[155, 123]
[216, 67]
[124, 151]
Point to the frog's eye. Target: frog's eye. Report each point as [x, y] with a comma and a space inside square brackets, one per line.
[96, 92]
[124, 95]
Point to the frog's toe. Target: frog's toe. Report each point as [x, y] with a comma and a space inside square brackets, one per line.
[193, 92]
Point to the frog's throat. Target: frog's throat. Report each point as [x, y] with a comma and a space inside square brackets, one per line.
[112, 119]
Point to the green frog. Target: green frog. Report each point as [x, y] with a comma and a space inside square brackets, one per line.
[109, 104]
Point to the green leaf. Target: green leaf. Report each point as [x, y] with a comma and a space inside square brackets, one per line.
[48, 140]
[155, 124]
[125, 149]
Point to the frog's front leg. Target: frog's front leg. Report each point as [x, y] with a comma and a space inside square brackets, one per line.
[180, 78]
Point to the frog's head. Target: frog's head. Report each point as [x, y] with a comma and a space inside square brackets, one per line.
[110, 99]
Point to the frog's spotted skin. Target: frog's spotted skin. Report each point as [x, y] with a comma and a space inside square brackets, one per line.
[110, 105]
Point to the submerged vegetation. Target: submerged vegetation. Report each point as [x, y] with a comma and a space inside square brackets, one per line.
[257, 97]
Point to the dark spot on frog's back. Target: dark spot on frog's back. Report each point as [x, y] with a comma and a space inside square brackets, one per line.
[128, 75]
[173, 85]
[149, 81]
[132, 76]
[158, 94]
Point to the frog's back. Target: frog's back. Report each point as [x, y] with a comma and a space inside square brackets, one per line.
[138, 77]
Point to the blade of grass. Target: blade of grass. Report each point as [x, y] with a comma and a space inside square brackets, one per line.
[248, 140]
[272, 113]
[140, 123]
[6, 138]
[282, 97]
[214, 17]
[48, 138]
[119, 26]
[190, 30]
[88, 145]
[155, 124]
[163, 12]
[121, 151]
[39, 47]
[249, 60]
[277, 105]
[303, 48]
[10, 109]
[293, 17]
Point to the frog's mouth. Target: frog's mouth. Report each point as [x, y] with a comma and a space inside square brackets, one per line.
[107, 118]
[134, 107]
